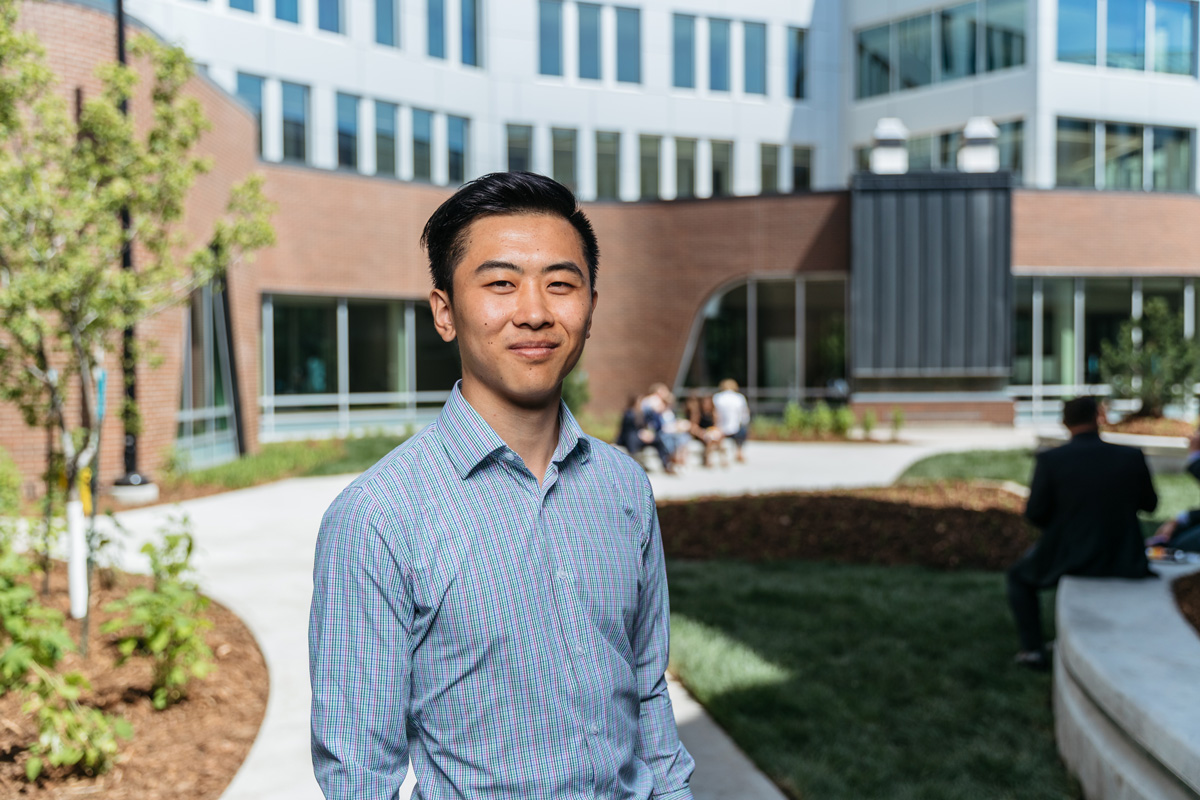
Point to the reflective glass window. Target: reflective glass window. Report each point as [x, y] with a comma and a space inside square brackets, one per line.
[305, 340]
[1123, 157]
[958, 31]
[550, 37]
[685, 167]
[242, 5]
[775, 328]
[874, 61]
[721, 349]
[1022, 365]
[949, 144]
[629, 45]
[1174, 36]
[1107, 304]
[722, 168]
[589, 41]
[1058, 331]
[295, 121]
[718, 55]
[329, 15]
[862, 158]
[801, 169]
[649, 148]
[1005, 33]
[287, 10]
[1172, 160]
[250, 92]
[386, 19]
[563, 158]
[1011, 141]
[1077, 31]
[437, 364]
[797, 71]
[520, 148]
[347, 130]
[470, 33]
[422, 132]
[824, 333]
[1127, 34]
[385, 137]
[768, 168]
[1075, 153]
[435, 28]
[914, 46]
[920, 153]
[683, 51]
[376, 351]
[754, 35]
[457, 142]
[608, 165]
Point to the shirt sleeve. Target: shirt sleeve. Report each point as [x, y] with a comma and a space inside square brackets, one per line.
[359, 660]
[658, 744]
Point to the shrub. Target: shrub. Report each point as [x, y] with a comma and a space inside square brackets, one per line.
[795, 418]
[72, 735]
[843, 421]
[10, 486]
[575, 391]
[897, 421]
[1151, 360]
[822, 419]
[868, 422]
[33, 635]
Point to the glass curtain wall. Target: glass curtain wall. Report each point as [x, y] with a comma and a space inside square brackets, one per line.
[914, 43]
[1174, 36]
[1108, 302]
[958, 31]
[1077, 31]
[1058, 331]
[1075, 153]
[874, 61]
[1022, 374]
[206, 424]
[1005, 33]
[1172, 160]
[1123, 156]
[1126, 45]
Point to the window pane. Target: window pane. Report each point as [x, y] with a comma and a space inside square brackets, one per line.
[375, 334]
[435, 28]
[295, 121]
[287, 10]
[721, 350]
[1022, 368]
[608, 165]
[242, 5]
[520, 148]
[958, 41]
[1058, 331]
[824, 333]
[329, 15]
[874, 61]
[776, 334]
[684, 52]
[796, 61]
[1123, 157]
[801, 169]
[756, 57]
[1077, 31]
[914, 43]
[948, 146]
[550, 37]
[648, 160]
[385, 138]
[250, 91]
[1011, 142]
[1005, 33]
[1127, 34]
[685, 167]
[629, 45]
[768, 165]
[305, 338]
[385, 23]
[470, 33]
[422, 145]
[457, 132]
[1107, 304]
[1076, 153]
[563, 142]
[722, 168]
[862, 158]
[920, 153]
[718, 55]
[437, 364]
[589, 41]
[1172, 160]
[1174, 41]
[347, 130]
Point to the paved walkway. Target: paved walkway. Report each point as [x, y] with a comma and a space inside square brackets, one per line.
[255, 555]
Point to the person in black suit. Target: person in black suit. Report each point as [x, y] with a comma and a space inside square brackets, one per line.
[1085, 496]
[1183, 532]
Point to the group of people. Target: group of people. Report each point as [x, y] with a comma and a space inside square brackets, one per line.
[650, 421]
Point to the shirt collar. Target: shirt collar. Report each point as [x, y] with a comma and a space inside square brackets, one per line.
[469, 440]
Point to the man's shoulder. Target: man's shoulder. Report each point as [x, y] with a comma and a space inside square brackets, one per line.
[393, 477]
[617, 465]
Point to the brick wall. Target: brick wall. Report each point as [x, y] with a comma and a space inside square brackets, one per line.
[998, 412]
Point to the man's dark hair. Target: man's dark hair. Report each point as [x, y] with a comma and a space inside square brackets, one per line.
[1080, 411]
[497, 193]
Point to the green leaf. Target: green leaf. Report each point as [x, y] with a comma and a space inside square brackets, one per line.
[33, 768]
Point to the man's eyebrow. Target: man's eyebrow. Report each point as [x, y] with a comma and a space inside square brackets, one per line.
[561, 266]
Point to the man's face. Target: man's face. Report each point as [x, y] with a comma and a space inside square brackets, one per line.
[522, 306]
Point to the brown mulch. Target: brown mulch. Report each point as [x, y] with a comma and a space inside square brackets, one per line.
[953, 525]
[1187, 594]
[1153, 426]
[191, 750]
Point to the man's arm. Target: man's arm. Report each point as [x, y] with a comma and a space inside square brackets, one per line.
[358, 645]
[1039, 508]
[658, 744]
[1148, 499]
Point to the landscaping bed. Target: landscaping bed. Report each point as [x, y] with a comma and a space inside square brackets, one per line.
[1153, 426]
[190, 750]
[1187, 594]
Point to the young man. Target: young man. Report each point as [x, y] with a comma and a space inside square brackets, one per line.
[733, 414]
[490, 599]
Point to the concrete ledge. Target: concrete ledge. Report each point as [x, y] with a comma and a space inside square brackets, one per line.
[1126, 689]
[1164, 454]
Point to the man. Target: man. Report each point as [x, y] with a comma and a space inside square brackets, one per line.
[1085, 497]
[490, 600]
[1183, 532]
[733, 414]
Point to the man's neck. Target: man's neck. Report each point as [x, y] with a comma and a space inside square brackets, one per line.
[1077, 430]
[531, 433]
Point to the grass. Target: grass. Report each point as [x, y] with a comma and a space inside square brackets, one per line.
[867, 682]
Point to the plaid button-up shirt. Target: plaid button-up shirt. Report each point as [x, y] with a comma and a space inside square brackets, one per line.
[510, 638]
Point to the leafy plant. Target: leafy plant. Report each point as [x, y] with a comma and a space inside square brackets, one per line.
[897, 421]
[868, 422]
[70, 734]
[822, 419]
[795, 419]
[1151, 360]
[843, 421]
[10, 486]
[33, 635]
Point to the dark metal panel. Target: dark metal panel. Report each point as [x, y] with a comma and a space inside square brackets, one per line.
[887, 299]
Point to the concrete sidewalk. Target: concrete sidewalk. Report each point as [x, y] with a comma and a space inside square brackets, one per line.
[255, 555]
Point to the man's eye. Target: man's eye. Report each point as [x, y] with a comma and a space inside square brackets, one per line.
[501, 284]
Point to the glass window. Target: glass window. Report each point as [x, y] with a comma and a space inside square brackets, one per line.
[796, 62]
[1127, 34]
[563, 158]
[1123, 157]
[1075, 153]
[435, 28]
[629, 45]
[550, 28]
[376, 347]
[684, 51]
[520, 148]
[250, 92]
[862, 158]
[755, 53]
[768, 168]
[958, 41]
[649, 149]
[608, 165]
[775, 326]
[1174, 36]
[1172, 160]
[721, 349]
[874, 61]
[589, 41]
[1005, 33]
[1058, 331]
[1077, 31]
[914, 45]
[722, 168]
[242, 5]
[385, 137]
[385, 23]
[457, 142]
[1022, 365]
[1169, 290]
[949, 144]
[718, 55]
[422, 123]
[470, 33]
[287, 10]
[295, 121]
[305, 340]
[329, 15]
[824, 333]
[347, 130]
[1011, 141]
[920, 153]
[1107, 304]
[801, 169]
[437, 364]
[685, 167]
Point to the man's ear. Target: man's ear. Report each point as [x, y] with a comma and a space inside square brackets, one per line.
[443, 317]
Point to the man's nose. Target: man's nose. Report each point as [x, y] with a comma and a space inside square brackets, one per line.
[532, 309]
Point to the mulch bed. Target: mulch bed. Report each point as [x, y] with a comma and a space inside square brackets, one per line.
[1187, 594]
[1153, 426]
[953, 525]
[191, 750]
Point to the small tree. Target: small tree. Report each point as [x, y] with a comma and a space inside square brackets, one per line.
[64, 184]
[1151, 361]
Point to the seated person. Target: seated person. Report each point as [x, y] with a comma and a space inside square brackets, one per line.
[702, 424]
[641, 427]
[1085, 496]
[1183, 532]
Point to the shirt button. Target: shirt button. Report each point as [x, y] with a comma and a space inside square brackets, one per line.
[579, 649]
[595, 729]
[509, 456]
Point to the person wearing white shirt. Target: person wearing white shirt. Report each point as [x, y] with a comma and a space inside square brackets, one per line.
[733, 414]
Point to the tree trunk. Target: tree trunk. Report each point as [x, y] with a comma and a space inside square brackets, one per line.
[77, 551]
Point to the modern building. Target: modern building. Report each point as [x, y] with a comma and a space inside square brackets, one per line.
[717, 150]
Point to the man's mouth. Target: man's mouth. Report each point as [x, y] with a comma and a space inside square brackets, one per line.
[534, 348]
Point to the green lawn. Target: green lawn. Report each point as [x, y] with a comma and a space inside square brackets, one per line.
[864, 682]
